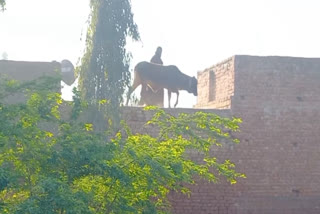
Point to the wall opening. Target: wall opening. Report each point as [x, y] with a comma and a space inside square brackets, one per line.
[212, 86]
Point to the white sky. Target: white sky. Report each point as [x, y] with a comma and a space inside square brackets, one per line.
[194, 34]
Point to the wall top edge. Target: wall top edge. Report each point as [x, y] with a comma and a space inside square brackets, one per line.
[241, 57]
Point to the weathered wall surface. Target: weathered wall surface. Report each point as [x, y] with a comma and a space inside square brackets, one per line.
[136, 117]
[278, 99]
[27, 71]
[276, 82]
[216, 86]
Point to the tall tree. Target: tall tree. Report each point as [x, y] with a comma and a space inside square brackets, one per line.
[2, 4]
[104, 71]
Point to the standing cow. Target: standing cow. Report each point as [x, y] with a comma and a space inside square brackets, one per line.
[158, 77]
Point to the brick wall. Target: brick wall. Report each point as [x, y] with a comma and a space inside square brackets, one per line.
[216, 85]
[136, 117]
[276, 82]
[27, 71]
[278, 99]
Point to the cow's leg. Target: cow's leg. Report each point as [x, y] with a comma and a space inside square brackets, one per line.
[177, 99]
[144, 94]
[136, 83]
[169, 97]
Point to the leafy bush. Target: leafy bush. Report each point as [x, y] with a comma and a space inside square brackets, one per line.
[51, 164]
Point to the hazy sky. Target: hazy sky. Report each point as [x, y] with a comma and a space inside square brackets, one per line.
[194, 34]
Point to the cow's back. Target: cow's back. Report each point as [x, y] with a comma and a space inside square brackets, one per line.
[166, 76]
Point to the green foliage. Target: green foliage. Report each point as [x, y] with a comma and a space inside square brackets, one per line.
[78, 104]
[2, 5]
[49, 164]
[104, 71]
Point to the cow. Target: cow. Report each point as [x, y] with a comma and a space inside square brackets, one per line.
[158, 77]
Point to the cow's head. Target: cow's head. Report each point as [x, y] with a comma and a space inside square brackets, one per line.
[193, 86]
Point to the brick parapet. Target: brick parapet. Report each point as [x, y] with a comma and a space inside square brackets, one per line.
[216, 85]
